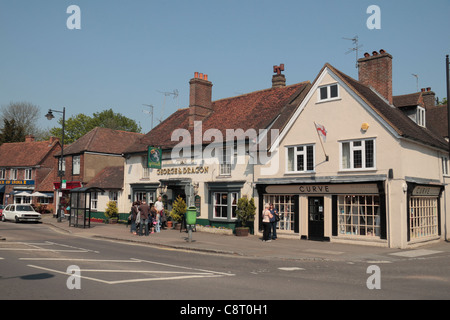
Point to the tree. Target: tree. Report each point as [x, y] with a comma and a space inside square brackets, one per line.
[25, 115]
[246, 210]
[12, 132]
[80, 124]
[178, 210]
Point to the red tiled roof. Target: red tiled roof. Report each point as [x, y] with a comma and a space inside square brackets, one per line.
[103, 140]
[256, 110]
[24, 154]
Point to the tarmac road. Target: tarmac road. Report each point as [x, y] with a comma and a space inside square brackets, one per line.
[113, 264]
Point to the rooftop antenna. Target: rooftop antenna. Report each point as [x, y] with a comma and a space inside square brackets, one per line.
[356, 48]
[149, 112]
[417, 81]
[166, 94]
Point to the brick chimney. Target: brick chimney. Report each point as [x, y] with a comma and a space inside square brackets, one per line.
[429, 97]
[376, 71]
[29, 138]
[200, 103]
[278, 79]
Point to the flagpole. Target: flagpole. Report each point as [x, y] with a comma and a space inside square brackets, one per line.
[321, 143]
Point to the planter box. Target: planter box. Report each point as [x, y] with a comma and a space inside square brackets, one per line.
[242, 232]
[214, 230]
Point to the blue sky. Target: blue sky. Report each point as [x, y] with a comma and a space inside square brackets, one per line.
[128, 53]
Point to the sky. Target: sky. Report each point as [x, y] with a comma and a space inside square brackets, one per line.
[128, 54]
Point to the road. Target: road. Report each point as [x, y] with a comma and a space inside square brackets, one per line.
[37, 262]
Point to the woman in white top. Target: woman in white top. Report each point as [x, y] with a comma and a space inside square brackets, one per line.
[266, 216]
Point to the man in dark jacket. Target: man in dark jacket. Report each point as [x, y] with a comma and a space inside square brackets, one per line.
[144, 209]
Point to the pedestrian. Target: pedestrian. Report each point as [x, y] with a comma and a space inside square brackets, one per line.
[157, 220]
[144, 211]
[133, 216]
[266, 223]
[159, 206]
[273, 222]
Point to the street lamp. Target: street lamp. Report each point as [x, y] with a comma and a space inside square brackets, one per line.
[50, 116]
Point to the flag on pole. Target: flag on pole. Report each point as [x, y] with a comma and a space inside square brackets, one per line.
[321, 131]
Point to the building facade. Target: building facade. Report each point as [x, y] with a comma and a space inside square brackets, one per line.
[352, 167]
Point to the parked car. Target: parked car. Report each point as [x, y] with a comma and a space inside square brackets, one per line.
[20, 212]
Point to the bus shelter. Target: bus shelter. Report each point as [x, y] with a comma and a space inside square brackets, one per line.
[80, 206]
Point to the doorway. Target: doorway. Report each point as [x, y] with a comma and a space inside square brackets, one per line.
[316, 218]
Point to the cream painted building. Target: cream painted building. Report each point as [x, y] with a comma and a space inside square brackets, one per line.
[377, 177]
[204, 173]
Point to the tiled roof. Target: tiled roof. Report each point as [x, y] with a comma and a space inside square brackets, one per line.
[108, 178]
[256, 110]
[408, 100]
[401, 123]
[24, 154]
[437, 120]
[102, 140]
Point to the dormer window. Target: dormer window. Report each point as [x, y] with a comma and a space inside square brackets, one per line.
[420, 116]
[328, 92]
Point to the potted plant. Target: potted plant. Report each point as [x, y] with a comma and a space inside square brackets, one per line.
[245, 212]
[178, 210]
[111, 212]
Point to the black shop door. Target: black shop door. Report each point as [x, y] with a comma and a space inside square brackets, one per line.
[316, 214]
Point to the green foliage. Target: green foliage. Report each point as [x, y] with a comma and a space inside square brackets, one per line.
[111, 210]
[178, 210]
[12, 132]
[246, 210]
[80, 124]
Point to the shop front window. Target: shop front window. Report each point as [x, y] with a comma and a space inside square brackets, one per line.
[359, 215]
[284, 204]
[423, 219]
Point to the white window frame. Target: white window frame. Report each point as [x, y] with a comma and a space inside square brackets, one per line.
[444, 165]
[229, 207]
[2, 174]
[328, 91]
[28, 174]
[62, 164]
[352, 149]
[420, 116]
[225, 162]
[13, 174]
[296, 152]
[76, 165]
[94, 200]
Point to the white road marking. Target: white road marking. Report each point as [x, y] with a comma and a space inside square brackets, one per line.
[156, 275]
[415, 253]
[291, 268]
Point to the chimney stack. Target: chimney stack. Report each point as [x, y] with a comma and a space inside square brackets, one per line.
[278, 79]
[200, 98]
[429, 97]
[376, 71]
[29, 138]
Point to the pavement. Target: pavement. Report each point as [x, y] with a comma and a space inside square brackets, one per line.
[252, 245]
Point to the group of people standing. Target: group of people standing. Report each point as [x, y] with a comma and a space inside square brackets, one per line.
[270, 217]
[146, 219]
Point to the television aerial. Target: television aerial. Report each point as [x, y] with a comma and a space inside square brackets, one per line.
[167, 94]
[149, 112]
[356, 47]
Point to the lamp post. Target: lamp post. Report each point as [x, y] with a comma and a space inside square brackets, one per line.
[50, 116]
